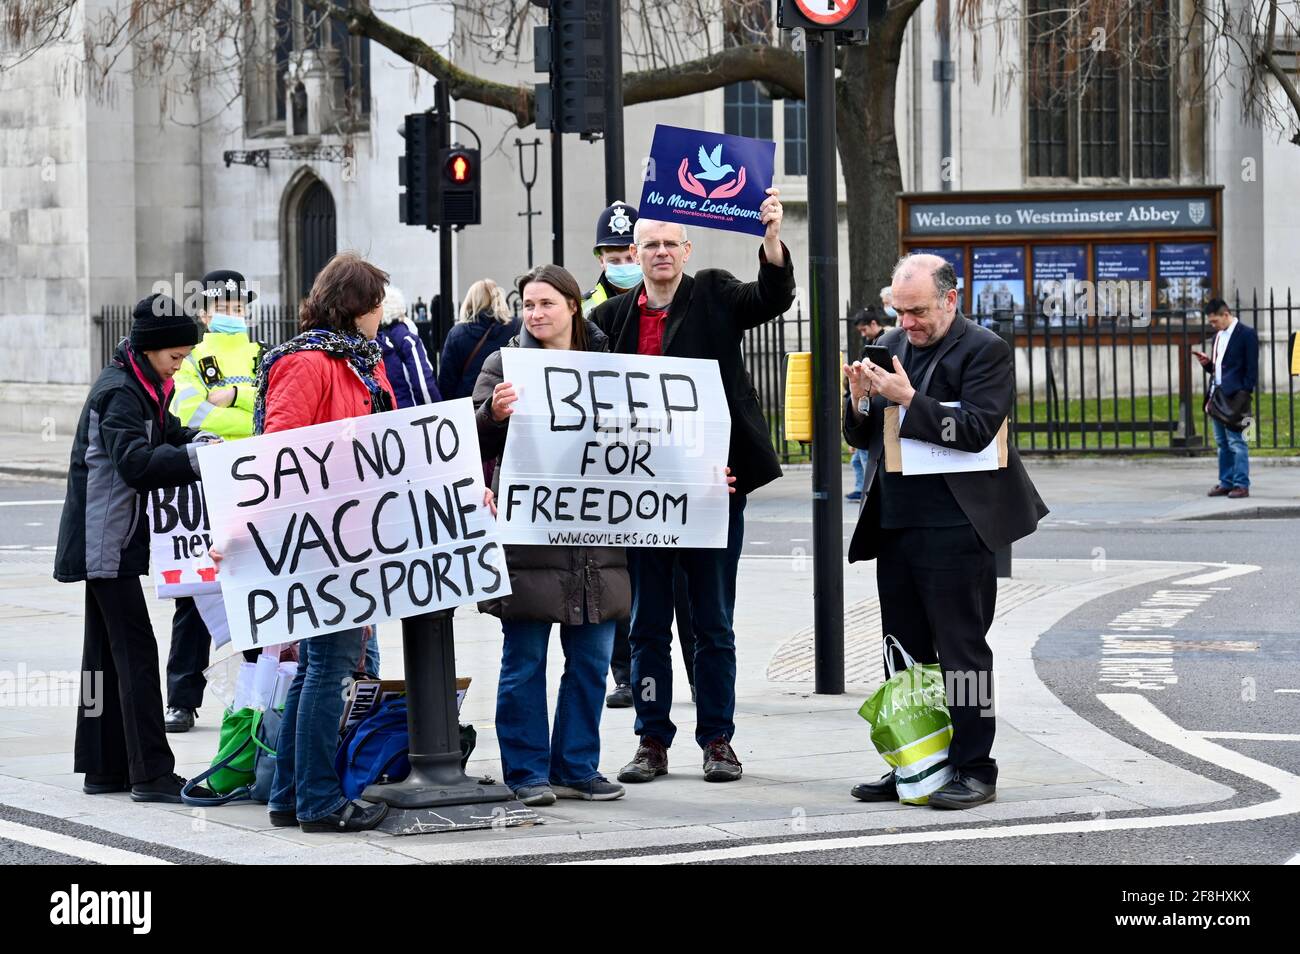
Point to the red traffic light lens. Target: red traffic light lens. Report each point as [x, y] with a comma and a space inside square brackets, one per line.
[459, 168]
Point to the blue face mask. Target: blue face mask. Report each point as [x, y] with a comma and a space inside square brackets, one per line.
[224, 324]
[891, 312]
[624, 276]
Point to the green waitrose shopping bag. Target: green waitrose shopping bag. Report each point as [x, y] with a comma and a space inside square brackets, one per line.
[910, 726]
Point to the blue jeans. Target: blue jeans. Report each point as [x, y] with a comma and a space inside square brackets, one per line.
[371, 667]
[859, 469]
[572, 755]
[711, 575]
[305, 781]
[1234, 457]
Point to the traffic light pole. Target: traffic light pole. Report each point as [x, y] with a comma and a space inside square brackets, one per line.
[823, 284]
[615, 190]
[447, 307]
[557, 198]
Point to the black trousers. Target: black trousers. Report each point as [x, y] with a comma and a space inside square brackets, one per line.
[938, 588]
[120, 719]
[620, 663]
[188, 657]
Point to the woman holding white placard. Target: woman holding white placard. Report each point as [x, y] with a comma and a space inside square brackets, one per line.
[584, 589]
[332, 371]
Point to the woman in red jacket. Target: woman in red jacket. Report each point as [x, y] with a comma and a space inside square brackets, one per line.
[333, 370]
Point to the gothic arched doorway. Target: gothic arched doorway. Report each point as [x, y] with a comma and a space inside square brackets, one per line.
[310, 231]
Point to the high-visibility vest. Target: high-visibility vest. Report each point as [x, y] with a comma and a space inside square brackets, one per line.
[235, 359]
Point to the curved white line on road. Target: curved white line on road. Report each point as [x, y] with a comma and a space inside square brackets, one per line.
[1138, 711]
[68, 845]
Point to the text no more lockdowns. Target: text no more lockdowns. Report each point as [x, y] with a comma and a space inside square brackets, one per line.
[387, 550]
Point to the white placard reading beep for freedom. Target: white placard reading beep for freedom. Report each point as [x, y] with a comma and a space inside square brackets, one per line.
[351, 523]
[179, 538]
[922, 457]
[614, 450]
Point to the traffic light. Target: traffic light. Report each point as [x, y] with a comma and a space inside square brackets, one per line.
[416, 172]
[843, 15]
[460, 190]
[571, 50]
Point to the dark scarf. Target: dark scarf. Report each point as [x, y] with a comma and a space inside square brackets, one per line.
[361, 354]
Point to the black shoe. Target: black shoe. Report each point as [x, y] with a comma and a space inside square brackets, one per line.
[164, 788]
[963, 792]
[883, 789]
[178, 719]
[650, 761]
[620, 698]
[105, 784]
[284, 819]
[720, 762]
[354, 816]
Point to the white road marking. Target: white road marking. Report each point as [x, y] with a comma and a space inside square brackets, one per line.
[1288, 690]
[1252, 736]
[67, 845]
[30, 503]
[1138, 711]
[1227, 573]
[1294, 861]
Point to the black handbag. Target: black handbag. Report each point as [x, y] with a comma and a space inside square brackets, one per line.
[1232, 412]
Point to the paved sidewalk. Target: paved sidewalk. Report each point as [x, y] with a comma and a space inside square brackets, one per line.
[802, 752]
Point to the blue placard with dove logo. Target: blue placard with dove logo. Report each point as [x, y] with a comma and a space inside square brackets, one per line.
[707, 179]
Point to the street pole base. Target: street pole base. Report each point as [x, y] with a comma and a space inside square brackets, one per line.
[431, 821]
[424, 792]
[1196, 440]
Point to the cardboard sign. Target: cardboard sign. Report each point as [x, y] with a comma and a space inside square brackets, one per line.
[179, 538]
[942, 460]
[707, 179]
[351, 523]
[614, 450]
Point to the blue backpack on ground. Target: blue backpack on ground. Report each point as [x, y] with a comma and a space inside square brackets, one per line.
[375, 749]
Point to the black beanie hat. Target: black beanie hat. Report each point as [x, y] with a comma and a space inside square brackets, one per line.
[161, 323]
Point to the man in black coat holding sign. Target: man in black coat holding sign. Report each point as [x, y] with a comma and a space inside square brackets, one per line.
[700, 316]
[934, 535]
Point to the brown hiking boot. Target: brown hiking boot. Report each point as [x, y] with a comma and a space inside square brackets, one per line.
[720, 762]
[1236, 493]
[650, 761]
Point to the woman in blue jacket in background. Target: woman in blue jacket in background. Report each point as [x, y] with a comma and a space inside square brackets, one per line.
[483, 327]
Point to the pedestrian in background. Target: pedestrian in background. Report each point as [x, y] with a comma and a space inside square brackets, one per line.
[484, 325]
[584, 589]
[1233, 367]
[127, 444]
[870, 323]
[214, 391]
[406, 362]
[619, 269]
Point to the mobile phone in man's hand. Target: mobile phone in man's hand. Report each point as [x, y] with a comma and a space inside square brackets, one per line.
[879, 355]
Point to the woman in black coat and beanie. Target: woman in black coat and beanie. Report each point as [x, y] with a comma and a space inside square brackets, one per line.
[127, 443]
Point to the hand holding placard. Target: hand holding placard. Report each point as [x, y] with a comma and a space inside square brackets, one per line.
[352, 523]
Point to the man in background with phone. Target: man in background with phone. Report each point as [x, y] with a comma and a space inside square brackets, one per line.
[871, 323]
[1233, 368]
[215, 393]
